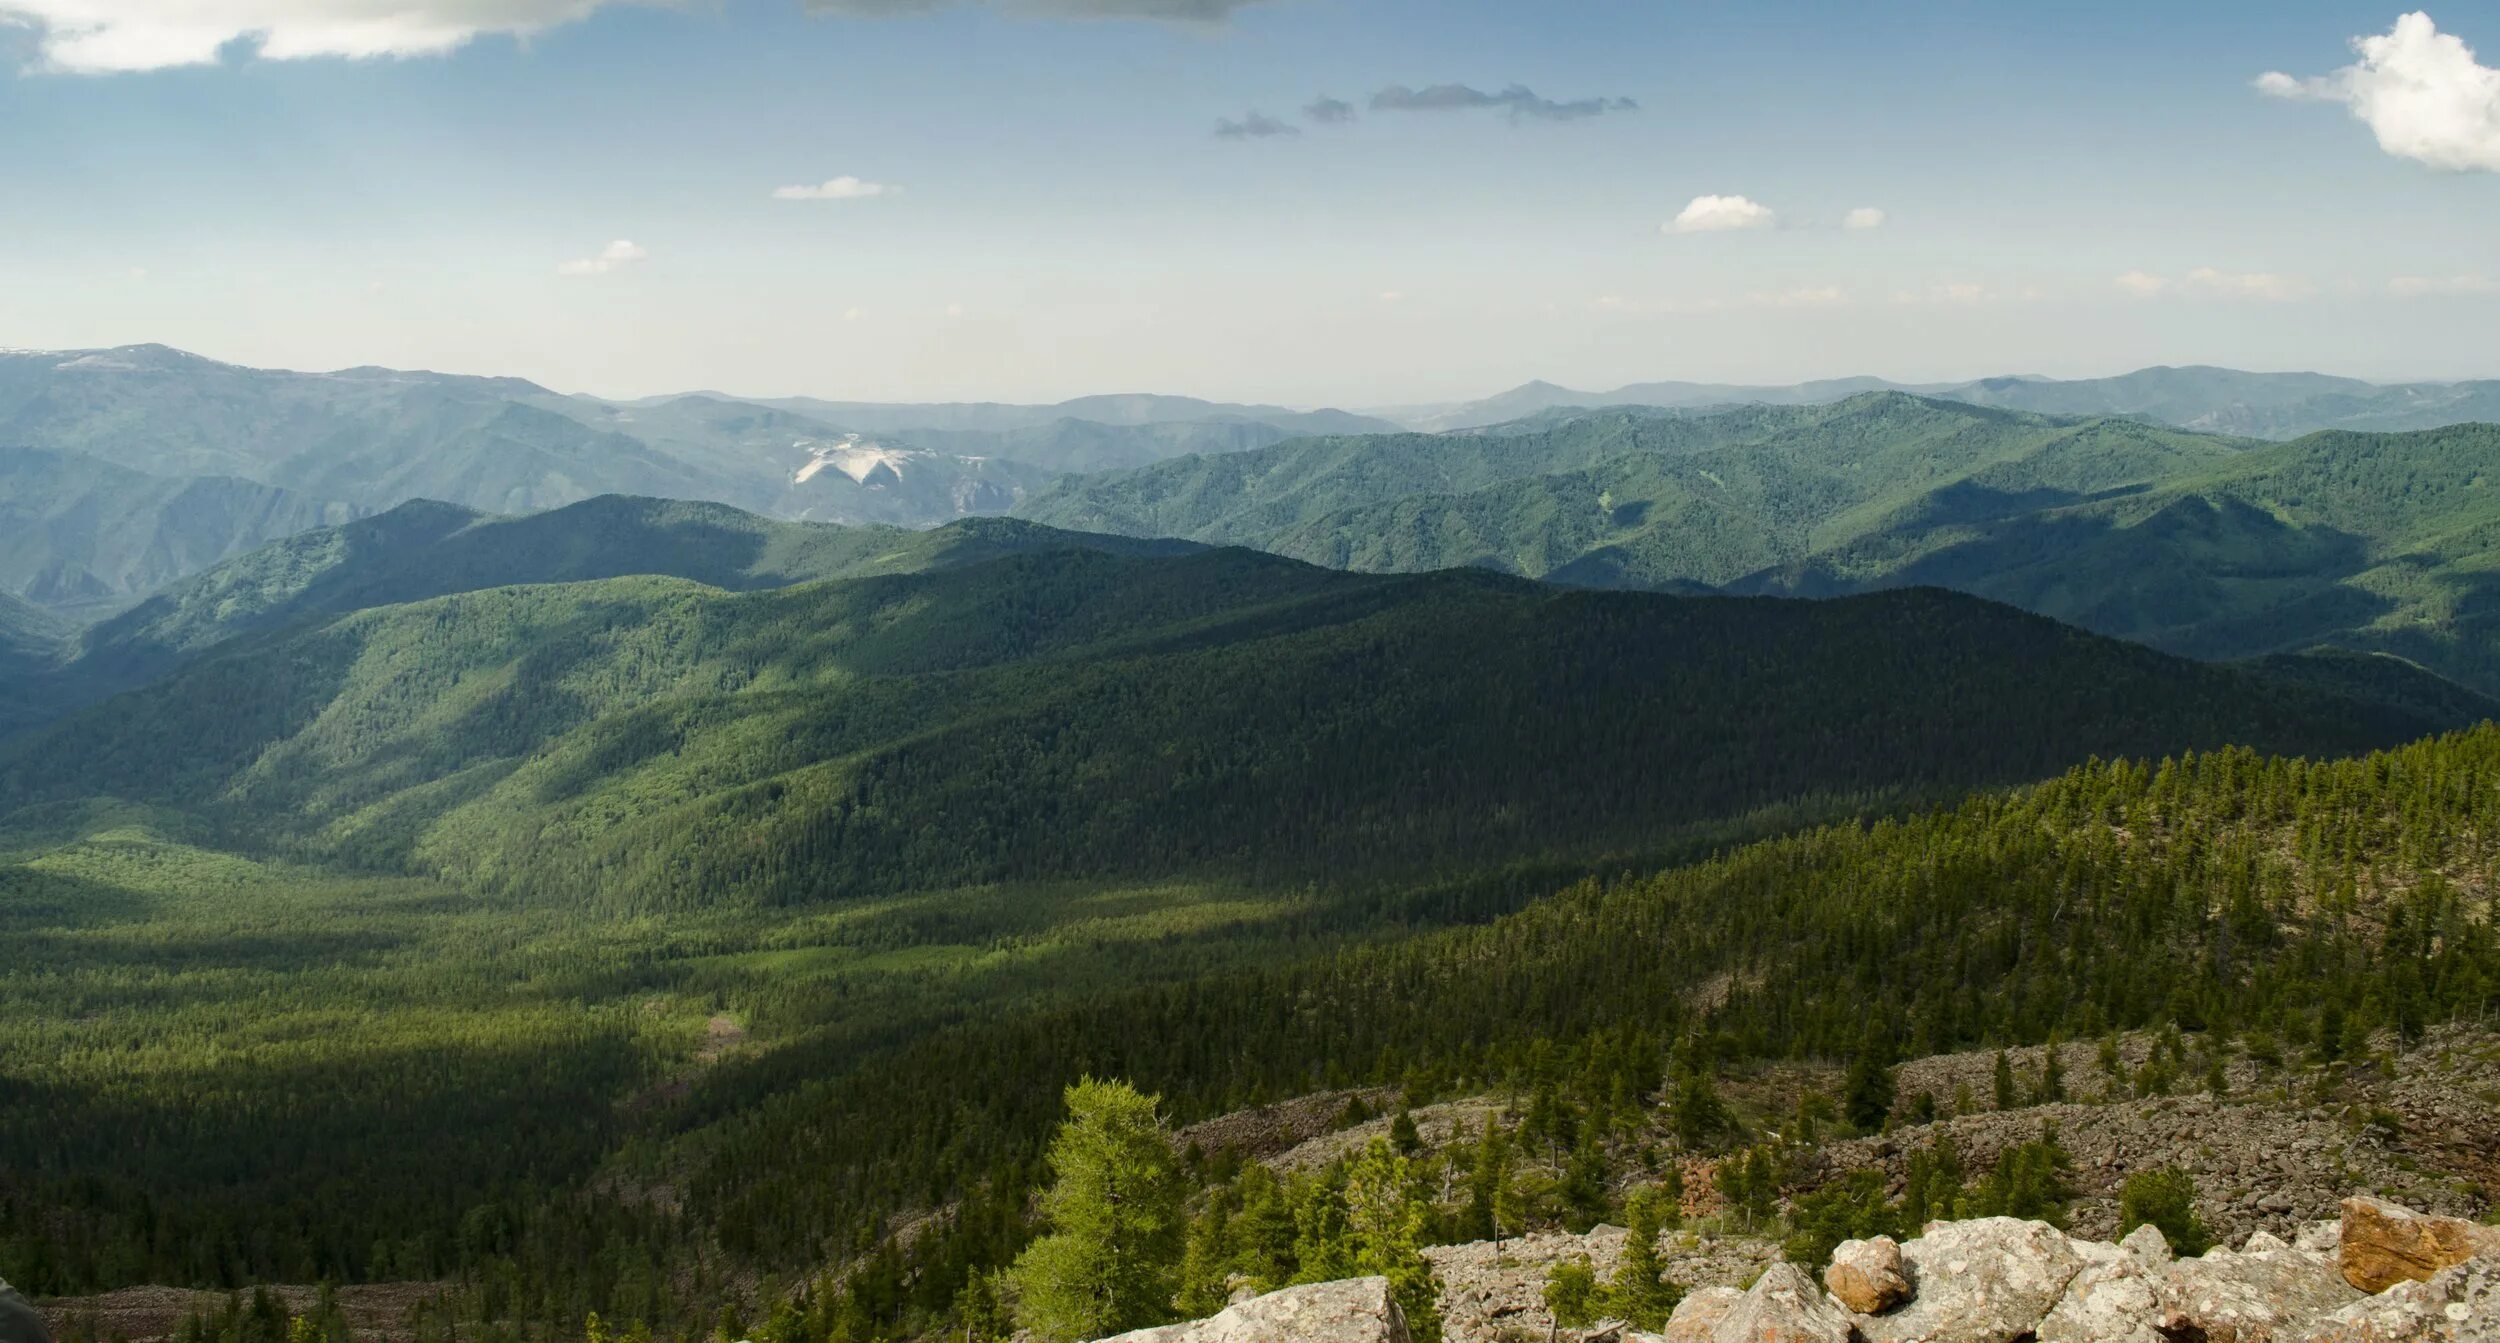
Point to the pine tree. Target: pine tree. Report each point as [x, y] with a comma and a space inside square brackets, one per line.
[1641, 1296]
[2006, 1097]
[1107, 1264]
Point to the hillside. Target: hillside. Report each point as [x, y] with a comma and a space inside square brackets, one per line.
[2285, 915]
[425, 549]
[1300, 489]
[2375, 542]
[84, 537]
[1821, 478]
[648, 742]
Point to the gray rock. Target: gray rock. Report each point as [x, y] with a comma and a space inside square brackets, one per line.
[1992, 1280]
[2264, 1295]
[1696, 1318]
[1783, 1306]
[1357, 1310]
[2115, 1301]
[2460, 1304]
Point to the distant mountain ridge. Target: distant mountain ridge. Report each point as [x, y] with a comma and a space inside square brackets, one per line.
[2206, 545]
[235, 456]
[2210, 399]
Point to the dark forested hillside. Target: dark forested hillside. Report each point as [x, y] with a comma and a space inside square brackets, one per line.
[651, 743]
[2380, 542]
[427, 549]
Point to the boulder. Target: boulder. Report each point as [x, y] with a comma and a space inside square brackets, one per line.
[1867, 1276]
[2270, 1293]
[2115, 1299]
[18, 1321]
[1783, 1306]
[1356, 1310]
[2384, 1244]
[1696, 1318]
[2459, 1304]
[1992, 1280]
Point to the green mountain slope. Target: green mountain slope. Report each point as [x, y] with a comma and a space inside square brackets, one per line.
[654, 743]
[1883, 440]
[427, 549]
[80, 535]
[2379, 542]
[1826, 475]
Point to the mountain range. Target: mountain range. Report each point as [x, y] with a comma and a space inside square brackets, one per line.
[2215, 400]
[2203, 544]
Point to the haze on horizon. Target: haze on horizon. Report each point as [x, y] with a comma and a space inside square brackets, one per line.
[1348, 202]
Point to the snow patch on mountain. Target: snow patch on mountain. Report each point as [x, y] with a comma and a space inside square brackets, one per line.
[851, 455]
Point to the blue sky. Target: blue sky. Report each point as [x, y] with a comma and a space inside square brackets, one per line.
[2065, 189]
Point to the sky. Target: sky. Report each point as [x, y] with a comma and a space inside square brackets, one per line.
[1349, 202]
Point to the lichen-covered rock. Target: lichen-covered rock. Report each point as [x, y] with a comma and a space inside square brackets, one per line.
[2459, 1304]
[2268, 1293]
[1992, 1280]
[2383, 1244]
[1357, 1310]
[1783, 1306]
[1696, 1318]
[1867, 1276]
[2115, 1299]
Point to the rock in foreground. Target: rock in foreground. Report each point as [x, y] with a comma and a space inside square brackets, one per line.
[1357, 1310]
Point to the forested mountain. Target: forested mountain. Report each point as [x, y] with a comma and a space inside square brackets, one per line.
[1266, 497]
[372, 438]
[2215, 400]
[80, 535]
[2384, 542]
[2213, 547]
[1132, 409]
[2303, 905]
[1655, 497]
[428, 549]
[651, 743]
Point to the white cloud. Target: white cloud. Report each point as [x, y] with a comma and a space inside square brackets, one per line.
[615, 254]
[2252, 284]
[2428, 286]
[1863, 217]
[2419, 90]
[1391, 295]
[2143, 284]
[843, 188]
[854, 314]
[1720, 214]
[954, 310]
[117, 36]
[111, 36]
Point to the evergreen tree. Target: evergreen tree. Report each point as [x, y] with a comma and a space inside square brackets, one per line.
[1866, 1094]
[2006, 1097]
[2166, 1198]
[1108, 1261]
[1640, 1295]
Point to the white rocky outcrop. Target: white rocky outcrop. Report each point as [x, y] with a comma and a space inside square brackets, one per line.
[1356, 1310]
[1783, 1306]
[1991, 1280]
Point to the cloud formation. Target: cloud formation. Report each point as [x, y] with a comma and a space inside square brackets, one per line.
[1863, 217]
[1519, 101]
[2433, 286]
[1329, 111]
[2209, 282]
[843, 188]
[608, 258]
[1254, 126]
[120, 36]
[2419, 90]
[1721, 214]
